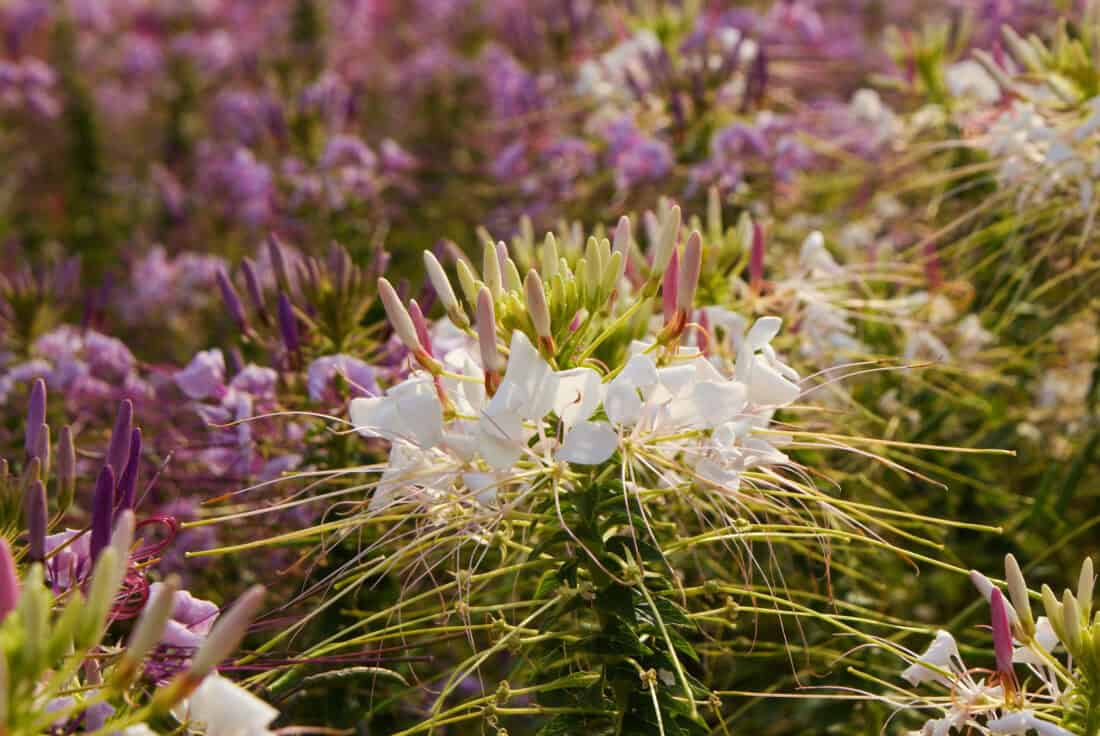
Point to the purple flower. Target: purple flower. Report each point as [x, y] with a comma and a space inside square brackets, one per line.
[257, 381]
[204, 376]
[69, 559]
[192, 619]
[107, 356]
[635, 157]
[322, 371]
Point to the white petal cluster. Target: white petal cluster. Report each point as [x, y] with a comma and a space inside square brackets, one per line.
[451, 440]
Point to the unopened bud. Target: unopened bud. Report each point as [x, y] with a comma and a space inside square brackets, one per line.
[490, 270]
[1002, 632]
[36, 513]
[468, 281]
[1017, 592]
[511, 276]
[421, 326]
[1085, 584]
[756, 258]
[487, 333]
[36, 416]
[537, 306]
[127, 484]
[288, 323]
[549, 256]
[9, 582]
[985, 587]
[232, 300]
[278, 262]
[398, 316]
[66, 469]
[666, 240]
[227, 633]
[150, 627]
[254, 290]
[442, 286]
[118, 451]
[621, 243]
[669, 284]
[689, 273]
[1071, 623]
[103, 503]
[1053, 610]
[42, 452]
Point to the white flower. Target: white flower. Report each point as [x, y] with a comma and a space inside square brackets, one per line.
[410, 412]
[942, 653]
[970, 79]
[1022, 723]
[226, 709]
[1044, 638]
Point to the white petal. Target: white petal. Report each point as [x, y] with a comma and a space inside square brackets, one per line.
[484, 486]
[943, 652]
[588, 443]
[622, 404]
[719, 402]
[528, 385]
[422, 419]
[678, 379]
[640, 371]
[768, 388]
[226, 709]
[372, 416]
[762, 332]
[500, 438]
[1023, 722]
[578, 392]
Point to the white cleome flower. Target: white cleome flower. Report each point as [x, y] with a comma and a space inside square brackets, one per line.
[224, 708]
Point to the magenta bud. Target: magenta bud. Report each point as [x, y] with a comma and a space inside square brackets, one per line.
[9, 580]
[36, 513]
[421, 326]
[1002, 632]
[288, 324]
[232, 300]
[127, 483]
[36, 416]
[118, 451]
[756, 257]
[103, 504]
[669, 285]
